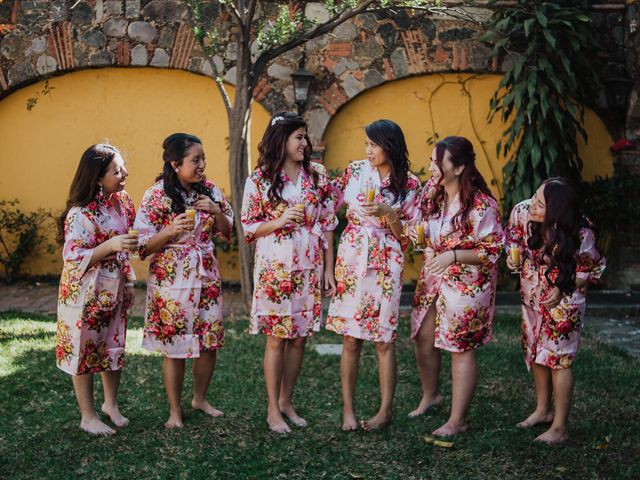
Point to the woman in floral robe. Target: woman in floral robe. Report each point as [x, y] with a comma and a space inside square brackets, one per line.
[287, 210]
[454, 301]
[558, 259]
[96, 282]
[183, 315]
[370, 260]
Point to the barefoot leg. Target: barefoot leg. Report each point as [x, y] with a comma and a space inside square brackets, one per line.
[203, 368]
[464, 376]
[562, 395]
[542, 413]
[293, 355]
[349, 365]
[273, 373]
[110, 384]
[387, 370]
[173, 375]
[428, 362]
[83, 387]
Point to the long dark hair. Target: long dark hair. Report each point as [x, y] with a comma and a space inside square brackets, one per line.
[559, 234]
[84, 187]
[273, 151]
[471, 181]
[175, 148]
[388, 135]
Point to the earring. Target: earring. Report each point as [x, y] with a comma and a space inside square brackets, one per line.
[100, 192]
[177, 170]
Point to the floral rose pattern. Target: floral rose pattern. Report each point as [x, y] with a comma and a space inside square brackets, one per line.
[464, 294]
[92, 301]
[288, 262]
[183, 314]
[370, 258]
[550, 337]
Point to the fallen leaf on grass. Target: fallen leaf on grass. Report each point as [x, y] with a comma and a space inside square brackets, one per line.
[604, 444]
[356, 475]
[438, 443]
[561, 469]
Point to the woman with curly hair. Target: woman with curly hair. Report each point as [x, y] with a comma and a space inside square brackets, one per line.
[96, 285]
[178, 219]
[381, 195]
[287, 210]
[454, 301]
[557, 258]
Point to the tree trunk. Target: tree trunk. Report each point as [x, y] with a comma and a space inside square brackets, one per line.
[239, 122]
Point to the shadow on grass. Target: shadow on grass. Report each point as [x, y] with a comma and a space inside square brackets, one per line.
[39, 437]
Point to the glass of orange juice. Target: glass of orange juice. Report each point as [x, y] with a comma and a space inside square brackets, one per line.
[370, 194]
[191, 215]
[300, 206]
[514, 252]
[420, 239]
[134, 252]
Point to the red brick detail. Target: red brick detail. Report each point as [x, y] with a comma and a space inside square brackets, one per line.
[182, 47]
[459, 58]
[389, 74]
[61, 44]
[124, 53]
[332, 98]
[329, 63]
[494, 64]
[14, 11]
[415, 43]
[339, 49]
[441, 55]
[3, 81]
[263, 87]
[358, 75]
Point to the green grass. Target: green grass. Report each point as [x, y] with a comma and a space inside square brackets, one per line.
[40, 438]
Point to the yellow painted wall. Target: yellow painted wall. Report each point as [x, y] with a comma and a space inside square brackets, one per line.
[446, 104]
[134, 109]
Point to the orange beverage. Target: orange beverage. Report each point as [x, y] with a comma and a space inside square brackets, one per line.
[514, 251]
[300, 206]
[370, 194]
[133, 231]
[191, 215]
[420, 232]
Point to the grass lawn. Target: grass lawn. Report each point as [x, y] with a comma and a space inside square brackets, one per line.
[40, 438]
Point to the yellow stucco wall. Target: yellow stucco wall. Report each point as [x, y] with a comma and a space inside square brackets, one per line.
[444, 104]
[134, 109]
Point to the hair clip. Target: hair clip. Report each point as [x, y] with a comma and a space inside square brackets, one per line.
[276, 120]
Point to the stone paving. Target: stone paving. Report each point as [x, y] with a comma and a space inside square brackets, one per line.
[613, 317]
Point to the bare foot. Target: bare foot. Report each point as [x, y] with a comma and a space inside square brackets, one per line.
[425, 404]
[206, 407]
[349, 423]
[175, 420]
[114, 414]
[450, 428]
[276, 423]
[380, 420]
[95, 426]
[289, 412]
[536, 418]
[554, 436]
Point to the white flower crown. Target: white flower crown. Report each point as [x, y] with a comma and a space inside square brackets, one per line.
[276, 120]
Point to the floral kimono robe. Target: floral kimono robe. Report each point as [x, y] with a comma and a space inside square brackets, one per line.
[370, 258]
[464, 294]
[288, 262]
[183, 314]
[93, 301]
[550, 337]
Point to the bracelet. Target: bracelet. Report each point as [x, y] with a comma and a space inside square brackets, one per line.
[394, 220]
[455, 256]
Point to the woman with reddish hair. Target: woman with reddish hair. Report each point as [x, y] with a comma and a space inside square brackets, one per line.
[454, 301]
[558, 258]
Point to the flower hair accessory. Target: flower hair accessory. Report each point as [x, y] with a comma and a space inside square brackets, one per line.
[277, 119]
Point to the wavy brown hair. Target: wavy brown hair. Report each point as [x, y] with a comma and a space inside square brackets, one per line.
[471, 181]
[559, 234]
[84, 187]
[273, 151]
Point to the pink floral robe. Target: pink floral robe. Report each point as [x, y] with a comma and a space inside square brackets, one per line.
[370, 258]
[550, 337]
[183, 314]
[289, 262]
[93, 301]
[464, 294]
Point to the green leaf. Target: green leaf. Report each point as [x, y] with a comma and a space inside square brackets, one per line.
[528, 25]
[542, 19]
[550, 38]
